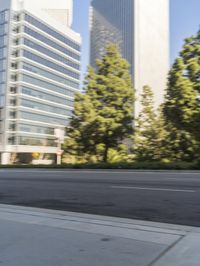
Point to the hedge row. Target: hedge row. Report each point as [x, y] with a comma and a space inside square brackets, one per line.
[123, 165]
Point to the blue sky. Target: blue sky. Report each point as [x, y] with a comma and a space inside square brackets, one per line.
[185, 21]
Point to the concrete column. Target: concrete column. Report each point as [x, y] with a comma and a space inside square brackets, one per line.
[5, 158]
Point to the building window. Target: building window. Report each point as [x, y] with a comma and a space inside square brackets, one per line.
[36, 129]
[49, 75]
[43, 118]
[50, 64]
[12, 127]
[45, 107]
[51, 43]
[13, 102]
[50, 86]
[51, 32]
[24, 140]
[13, 114]
[46, 96]
[13, 90]
[51, 54]
[12, 140]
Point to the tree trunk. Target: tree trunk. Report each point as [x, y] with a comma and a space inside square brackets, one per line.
[105, 156]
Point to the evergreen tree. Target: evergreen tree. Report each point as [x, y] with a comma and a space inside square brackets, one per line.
[103, 115]
[174, 144]
[149, 131]
[179, 145]
[182, 106]
[157, 139]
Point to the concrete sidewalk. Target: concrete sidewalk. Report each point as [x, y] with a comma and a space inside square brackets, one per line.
[37, 237]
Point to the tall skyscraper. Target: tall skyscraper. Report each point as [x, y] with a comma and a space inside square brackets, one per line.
[140, 28]
[39, 75]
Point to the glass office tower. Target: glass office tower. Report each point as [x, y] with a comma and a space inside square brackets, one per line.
[140, 28]
[112, 21]
[39, 75]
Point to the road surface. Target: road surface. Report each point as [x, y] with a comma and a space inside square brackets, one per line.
[162, 196]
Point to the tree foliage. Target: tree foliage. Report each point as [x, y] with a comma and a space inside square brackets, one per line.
[157, 139]
[182, 106]
[149, 131]
[103, 115]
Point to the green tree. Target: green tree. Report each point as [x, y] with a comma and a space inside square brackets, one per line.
[103, 115]
[149, 131]
[182, 108]
[179, 145]
[79, 142]
[174, 144]
[157, 139]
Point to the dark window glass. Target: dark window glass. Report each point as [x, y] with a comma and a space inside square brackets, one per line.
[51, 43]
[45, 107]
[54, 77]
[46, 96]
[46, 85]
[51, 32]
[43, 118]
[47, 52]
[50, 64]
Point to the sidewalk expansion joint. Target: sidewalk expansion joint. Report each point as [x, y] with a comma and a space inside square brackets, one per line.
[166, 250]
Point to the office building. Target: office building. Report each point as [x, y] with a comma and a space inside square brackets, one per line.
[39, 75]
[140, 28]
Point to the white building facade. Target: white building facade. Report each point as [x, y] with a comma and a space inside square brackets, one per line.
[140, 28]
[39, 76]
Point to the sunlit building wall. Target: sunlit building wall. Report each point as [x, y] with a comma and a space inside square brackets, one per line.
[39, 74]
[140, 28]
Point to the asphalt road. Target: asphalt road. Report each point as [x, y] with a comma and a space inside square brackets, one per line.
[171, 197]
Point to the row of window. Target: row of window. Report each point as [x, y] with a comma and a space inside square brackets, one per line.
[3, 40]
[53, 55]
[3, 16]
[1, 125]
[43, 118]
[36, 129]
[3, 29]
[45, 107]
[2, 101]
[2, 76]
[24, 140]
[47, 74]
[2, 64]
[37, 141]
[1, 114]
[47, 85]
[51, 32]
[2, 89]
[51, 43]
[46, 96]
[50, 64]
[3, 52]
